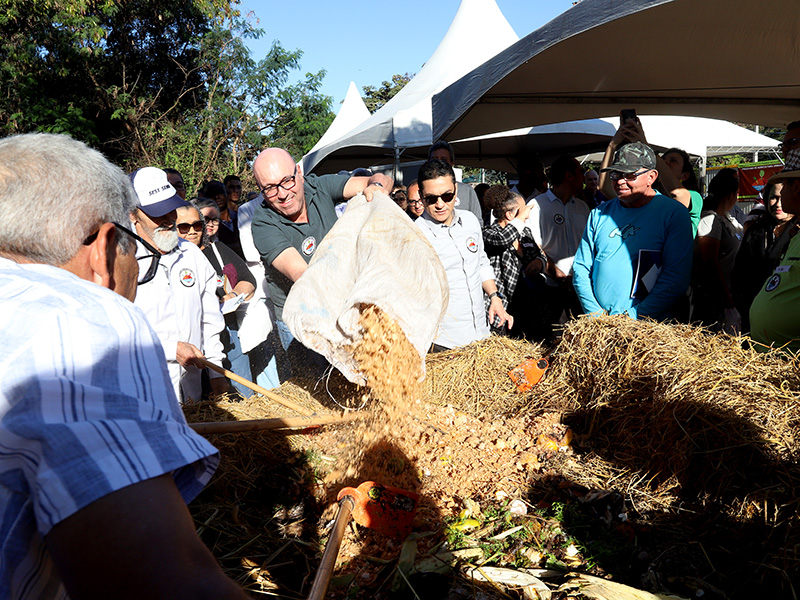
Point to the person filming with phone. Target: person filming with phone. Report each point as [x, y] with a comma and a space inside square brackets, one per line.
[672, 173]
[635, 256]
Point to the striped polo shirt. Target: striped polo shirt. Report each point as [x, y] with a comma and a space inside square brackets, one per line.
[86, 409]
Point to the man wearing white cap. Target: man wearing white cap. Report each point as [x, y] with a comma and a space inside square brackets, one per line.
[773, 315]
[180, 302]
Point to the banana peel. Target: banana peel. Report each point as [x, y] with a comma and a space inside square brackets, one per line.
[465, 524]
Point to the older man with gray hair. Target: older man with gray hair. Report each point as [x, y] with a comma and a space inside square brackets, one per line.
[97, 458]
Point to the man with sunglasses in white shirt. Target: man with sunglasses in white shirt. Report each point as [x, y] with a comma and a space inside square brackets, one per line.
[635, 256]
[181, 301]
[457, 238]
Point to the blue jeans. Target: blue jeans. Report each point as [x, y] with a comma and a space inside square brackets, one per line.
[240, 363]
[302, 361]
[259, 365]
[286, 336]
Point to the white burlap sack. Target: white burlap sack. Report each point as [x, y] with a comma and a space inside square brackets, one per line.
[374, 254]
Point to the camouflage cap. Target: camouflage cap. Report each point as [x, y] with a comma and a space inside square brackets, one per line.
[633, 157]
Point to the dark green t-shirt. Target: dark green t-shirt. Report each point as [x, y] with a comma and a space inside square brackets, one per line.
[273, 233]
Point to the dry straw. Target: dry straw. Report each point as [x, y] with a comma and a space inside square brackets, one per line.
[673, 417]
[670, 415]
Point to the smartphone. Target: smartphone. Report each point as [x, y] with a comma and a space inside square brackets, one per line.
[627, 114]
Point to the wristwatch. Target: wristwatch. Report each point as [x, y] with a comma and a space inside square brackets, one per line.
[378, 183]
[498, 294]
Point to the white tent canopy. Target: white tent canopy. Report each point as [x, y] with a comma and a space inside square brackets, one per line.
[478, 32]
[352, 113]
[737, 60]
[698, 136]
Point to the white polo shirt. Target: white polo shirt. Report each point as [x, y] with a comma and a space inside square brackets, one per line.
[558, 228]
[460, 248]
[181, 304]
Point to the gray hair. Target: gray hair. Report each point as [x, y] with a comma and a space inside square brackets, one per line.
[54, 193]
[204, 239]
[201, 203]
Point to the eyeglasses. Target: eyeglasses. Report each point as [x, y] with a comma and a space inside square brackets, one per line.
[185, 227]
[212, 220]
[617, 175]
[154, 255]
[287, 183]
[790, 144]
[415, 202]
[447, 197]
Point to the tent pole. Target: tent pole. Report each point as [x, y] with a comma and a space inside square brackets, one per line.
[396, 167]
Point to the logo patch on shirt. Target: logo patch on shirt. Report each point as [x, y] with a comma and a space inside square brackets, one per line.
[472, 245]
[309, 245]
[773, 283]
[558, 218]
[625, 232]
[187, 277]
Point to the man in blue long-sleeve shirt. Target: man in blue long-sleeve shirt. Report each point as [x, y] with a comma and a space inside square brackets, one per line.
[635, 256]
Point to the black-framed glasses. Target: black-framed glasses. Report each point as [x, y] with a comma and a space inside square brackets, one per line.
[212, 220]
[153, 254]
[184, 228]
[447, 198]
[790, 144]
[287, 183]
[414, 202]
[617, 175]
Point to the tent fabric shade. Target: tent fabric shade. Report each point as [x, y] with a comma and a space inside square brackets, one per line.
[698, 136]
[352, 113]
[405, 121]
[726, 59]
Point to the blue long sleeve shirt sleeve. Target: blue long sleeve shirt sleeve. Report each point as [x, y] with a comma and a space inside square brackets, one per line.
[606, 262]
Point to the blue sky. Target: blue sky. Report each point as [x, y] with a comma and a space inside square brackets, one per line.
[368, 42]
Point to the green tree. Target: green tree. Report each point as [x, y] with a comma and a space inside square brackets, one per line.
[376, 97]
[88, 68]
[248, 106]
[153, 82]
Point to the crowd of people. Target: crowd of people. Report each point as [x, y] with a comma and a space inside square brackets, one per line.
[118, 292]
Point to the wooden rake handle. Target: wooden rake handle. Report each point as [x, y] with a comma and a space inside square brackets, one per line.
[267, 424]
[257, 388]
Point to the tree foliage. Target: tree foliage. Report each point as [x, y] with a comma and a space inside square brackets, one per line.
[376, 97]
[159, 82]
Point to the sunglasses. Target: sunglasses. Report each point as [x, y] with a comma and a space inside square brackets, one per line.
[447, 197]
[185, 227]
[617, 175]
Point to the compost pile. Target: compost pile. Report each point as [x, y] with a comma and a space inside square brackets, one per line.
[661, 456]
